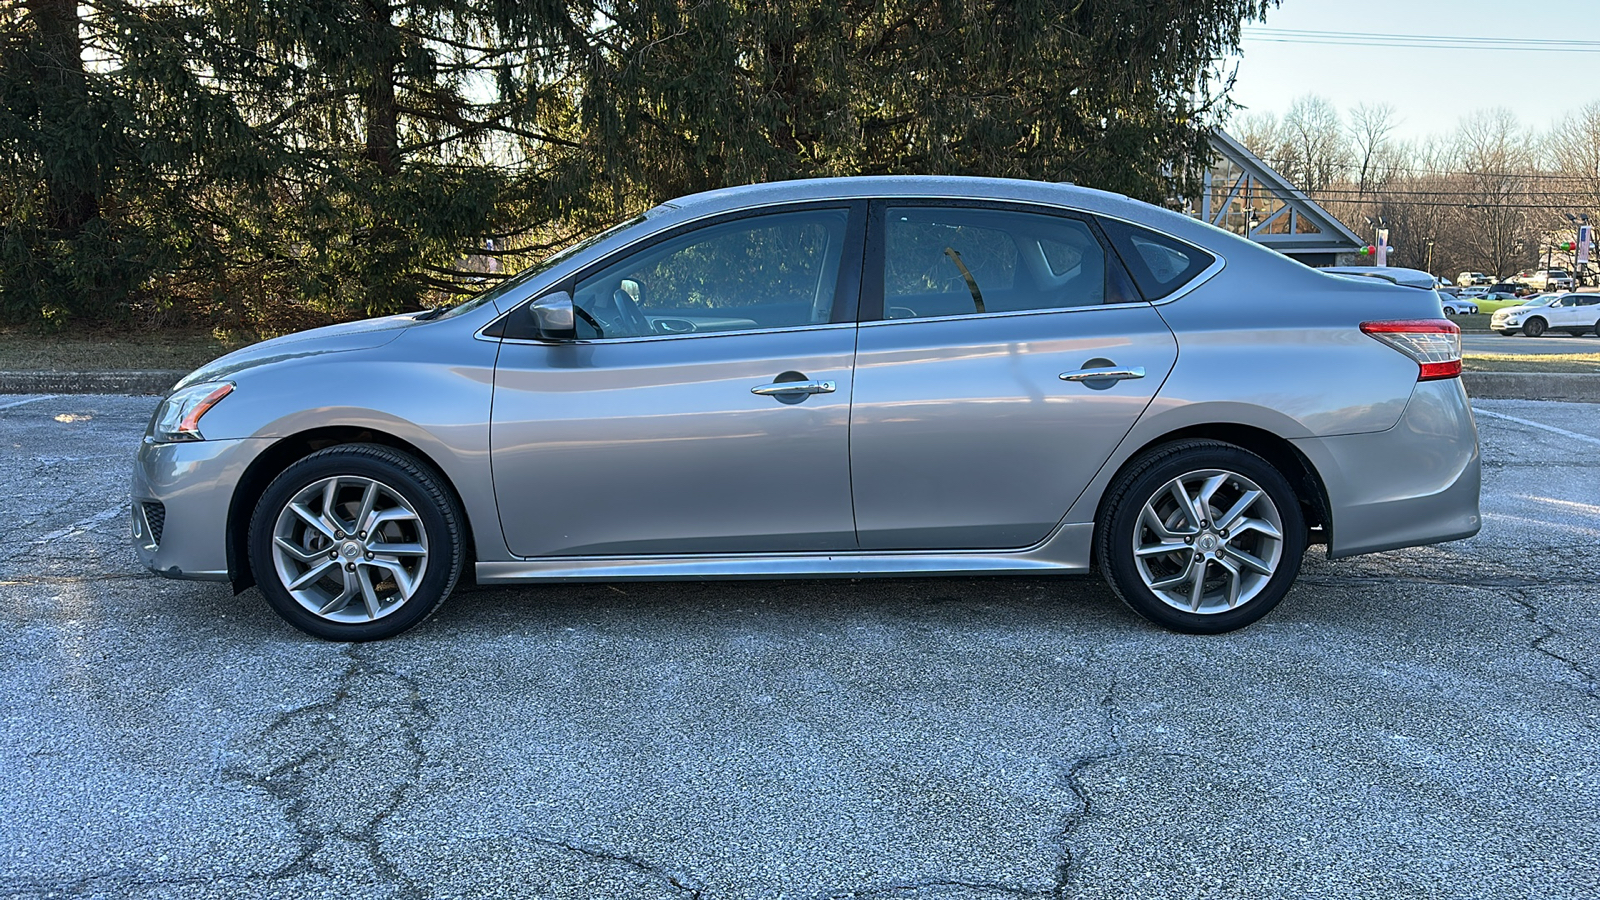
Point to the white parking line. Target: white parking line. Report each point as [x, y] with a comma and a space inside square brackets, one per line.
[1587, 439]
[85, 524]
[28, 400]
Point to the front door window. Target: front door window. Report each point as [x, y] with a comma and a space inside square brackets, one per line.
[761, 272]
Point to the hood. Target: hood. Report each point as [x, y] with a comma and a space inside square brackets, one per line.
[363, 335]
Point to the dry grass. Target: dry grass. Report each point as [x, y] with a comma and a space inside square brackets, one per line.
[1531, 362]
[22, 351]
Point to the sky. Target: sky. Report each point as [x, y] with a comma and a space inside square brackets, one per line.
[1430, 87]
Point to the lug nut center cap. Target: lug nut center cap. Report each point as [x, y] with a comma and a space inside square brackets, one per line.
[350, 549]
[1207, 543]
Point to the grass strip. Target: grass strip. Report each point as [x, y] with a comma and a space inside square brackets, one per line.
[110, 352]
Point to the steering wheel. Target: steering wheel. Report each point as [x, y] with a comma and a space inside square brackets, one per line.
[632, 318]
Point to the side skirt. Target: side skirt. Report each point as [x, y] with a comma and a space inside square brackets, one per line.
[1065, 552]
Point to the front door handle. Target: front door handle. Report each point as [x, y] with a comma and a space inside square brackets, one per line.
[1111, 373]
[794, 387]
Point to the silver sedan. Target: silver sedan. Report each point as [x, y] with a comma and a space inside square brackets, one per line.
[831, 378]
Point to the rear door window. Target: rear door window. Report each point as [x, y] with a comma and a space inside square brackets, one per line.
[1159, 264]
[951, 261]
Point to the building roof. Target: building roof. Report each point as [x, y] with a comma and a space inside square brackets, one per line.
[1309, 228]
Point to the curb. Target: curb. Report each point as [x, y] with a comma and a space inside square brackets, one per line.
[146, 381]
[1572, 387]
[1567, 386]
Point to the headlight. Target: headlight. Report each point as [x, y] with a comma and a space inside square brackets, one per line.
[178, 418]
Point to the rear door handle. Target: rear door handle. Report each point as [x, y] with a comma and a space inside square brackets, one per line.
[1108, 374]
[794, 387]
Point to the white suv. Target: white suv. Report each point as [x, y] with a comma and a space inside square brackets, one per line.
[1573, 313]
[1470, 279]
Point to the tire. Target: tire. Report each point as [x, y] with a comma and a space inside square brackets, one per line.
[1597, 329]
[1533, 327]
[1224, 593]
[368, 586]
[1450, 311]
[1509, 332]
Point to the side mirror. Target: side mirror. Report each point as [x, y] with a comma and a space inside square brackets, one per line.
[553, 314]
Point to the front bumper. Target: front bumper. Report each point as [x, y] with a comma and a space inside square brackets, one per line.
[1416, 483]
[181, 495]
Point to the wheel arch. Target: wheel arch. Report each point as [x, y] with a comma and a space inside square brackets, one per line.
[285, 452]
[1279, 452]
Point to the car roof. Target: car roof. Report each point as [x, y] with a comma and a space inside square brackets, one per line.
[952, 187]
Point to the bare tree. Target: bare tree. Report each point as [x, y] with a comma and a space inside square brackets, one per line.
[1371, 129]
[1263, 134]
[1315, 142]
[1496, 163]
[1575, 153]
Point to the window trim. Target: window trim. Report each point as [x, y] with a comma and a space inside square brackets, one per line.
[873, 270]
[1196, 278]
[847, 289]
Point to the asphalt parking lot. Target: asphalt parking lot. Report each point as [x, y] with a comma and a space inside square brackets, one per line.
[1412, 724]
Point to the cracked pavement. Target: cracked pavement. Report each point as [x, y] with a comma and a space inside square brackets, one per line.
[1419, 723]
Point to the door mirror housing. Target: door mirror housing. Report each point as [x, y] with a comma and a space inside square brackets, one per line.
[553, 316]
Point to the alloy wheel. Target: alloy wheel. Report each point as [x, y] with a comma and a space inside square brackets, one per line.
[1208, 541]
[349, 549]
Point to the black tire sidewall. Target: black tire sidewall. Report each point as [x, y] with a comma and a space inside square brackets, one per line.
[1129, 499]
[400, 473]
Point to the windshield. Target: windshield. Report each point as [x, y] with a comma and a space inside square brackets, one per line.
[543, 265]
[1543, 300]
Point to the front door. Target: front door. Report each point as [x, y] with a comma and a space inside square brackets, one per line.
[1011, 355]
[705, 407]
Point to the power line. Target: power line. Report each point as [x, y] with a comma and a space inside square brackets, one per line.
[1418, 41]
[1363, 192]
[1403, 172]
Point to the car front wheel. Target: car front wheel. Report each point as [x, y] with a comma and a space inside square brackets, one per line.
[1533, 327]
[1201, 537]
[357, 542]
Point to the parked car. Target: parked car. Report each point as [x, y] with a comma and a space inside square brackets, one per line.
[847, 377]
[1473, 292]
[1455, 306]
[1507, 290]
[1472, 279]
[1573, 313]
[1548, 280]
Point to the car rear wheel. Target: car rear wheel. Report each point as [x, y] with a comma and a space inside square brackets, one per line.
[1533, 327]
[1202, 537]
[357, 542]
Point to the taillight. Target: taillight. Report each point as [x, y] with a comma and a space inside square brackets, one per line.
[1435, 344]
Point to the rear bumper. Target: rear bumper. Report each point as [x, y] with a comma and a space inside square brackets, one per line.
[1416, 483]
[192, 484]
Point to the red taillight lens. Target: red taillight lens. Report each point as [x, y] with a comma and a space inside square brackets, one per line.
[1434, 344]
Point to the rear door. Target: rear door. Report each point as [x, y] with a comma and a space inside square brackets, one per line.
[1578, 312]
[1003, 354]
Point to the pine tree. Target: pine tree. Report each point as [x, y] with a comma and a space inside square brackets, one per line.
[1109, 93]
[416, 133]
[114, 151]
